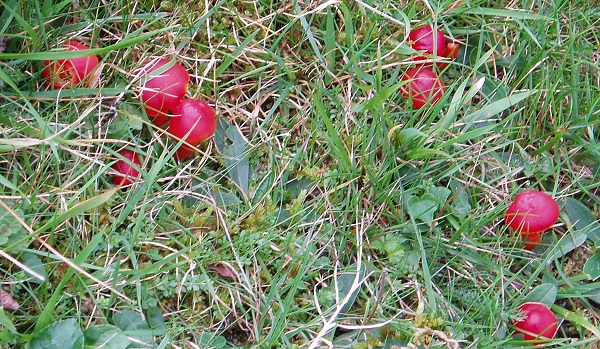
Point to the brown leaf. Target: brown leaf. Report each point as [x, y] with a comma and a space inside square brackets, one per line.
[223, 269]
[7, 302]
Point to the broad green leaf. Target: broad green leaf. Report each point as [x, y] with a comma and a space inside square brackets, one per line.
[135, 326]
[212, 340]
[7, 322]
[407, 135]
[493, 90]
[8, 184]
[544, 293]
[591, 268]
[236, 159]
[224, 199]
[11, 231]
[296, 186]
[155, 318]
[128, 320]
[582, 218]
[422, 208]
[65, 334]
[263, 187]
[496, 107]
[129, 117]
[573, 239]
[35, 264]
[441, 194]
[460, 204]
[105, 337]
[583, 226]
[232, 144]
[426, 154]
[344, 285]
[394, 246]
[593, 294]
[220, 136]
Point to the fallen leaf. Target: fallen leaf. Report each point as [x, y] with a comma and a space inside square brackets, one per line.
[223, 269]
[7, 302]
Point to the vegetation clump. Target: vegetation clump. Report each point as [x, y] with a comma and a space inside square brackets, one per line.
[271, 174]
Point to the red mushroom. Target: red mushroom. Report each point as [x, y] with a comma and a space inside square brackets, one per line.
[162, 92]
[193, 121]
[71, 71]
[532, 240]
[126, 170]
[422, 85]
[428, 39]
[450, 54]
[532, 211]
[431, 43]
[537, 322]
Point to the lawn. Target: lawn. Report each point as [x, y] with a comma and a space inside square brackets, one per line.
[326, 211]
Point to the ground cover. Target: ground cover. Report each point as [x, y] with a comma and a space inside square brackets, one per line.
[327, 210]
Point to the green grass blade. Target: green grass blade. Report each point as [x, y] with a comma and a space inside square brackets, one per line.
[77, 209]
[47, 314]
[515, 14]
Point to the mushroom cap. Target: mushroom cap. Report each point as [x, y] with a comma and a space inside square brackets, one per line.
[126, 173]
[428, 39]
[422, 85]
[532, 212]
[161, 93]
[539, 322]
[70, 71]
[194, 121]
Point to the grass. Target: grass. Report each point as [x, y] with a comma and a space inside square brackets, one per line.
[325, 211]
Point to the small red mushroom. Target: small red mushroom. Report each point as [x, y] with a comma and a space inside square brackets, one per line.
[532, 212]
[428, 39]
[71, 71]
[422, 85]
[193, 121]
[536, 322]
[126, 170]
[431, 43]
[162, 92]
[452, 49]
